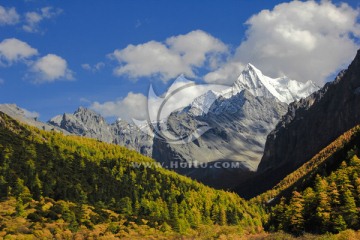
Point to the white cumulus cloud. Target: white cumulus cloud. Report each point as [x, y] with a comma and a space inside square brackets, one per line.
[134, 105]
[137, 106]
[8, 16]
[177, 55]
[303, 40]
[51, 68]
[13, 50]
[195, 47]
[225, 74]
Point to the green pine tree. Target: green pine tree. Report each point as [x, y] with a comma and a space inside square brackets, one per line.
[349, 210]
[294, 213]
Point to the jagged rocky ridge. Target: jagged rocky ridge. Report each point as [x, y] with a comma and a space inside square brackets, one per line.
[85, 122]
[309, 125]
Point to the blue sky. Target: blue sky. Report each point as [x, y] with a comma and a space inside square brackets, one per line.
[58, 55]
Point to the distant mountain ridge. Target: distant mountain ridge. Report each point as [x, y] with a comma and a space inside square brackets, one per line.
[85, 122]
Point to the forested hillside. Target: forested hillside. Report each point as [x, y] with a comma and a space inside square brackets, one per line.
[36, 165]
[331, 204]
[323, 163]
[322, 195]
[58, 186]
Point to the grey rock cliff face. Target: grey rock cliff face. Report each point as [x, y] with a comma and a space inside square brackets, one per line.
[311, 124]
[238, 129]
[84, 123]
[128, 135]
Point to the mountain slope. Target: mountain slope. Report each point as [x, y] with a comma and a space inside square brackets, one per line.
[311, 124]
[330, 203]
[36, 164]
[22, 116]
[238, 131]
[324, 162]
[239, 119]
[320, 196]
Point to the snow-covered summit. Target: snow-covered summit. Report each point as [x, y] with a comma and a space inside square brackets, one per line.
[283, 88]
[253, 80]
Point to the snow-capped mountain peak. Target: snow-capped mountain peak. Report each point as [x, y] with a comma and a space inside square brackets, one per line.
[255, 82]
[283, 88]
